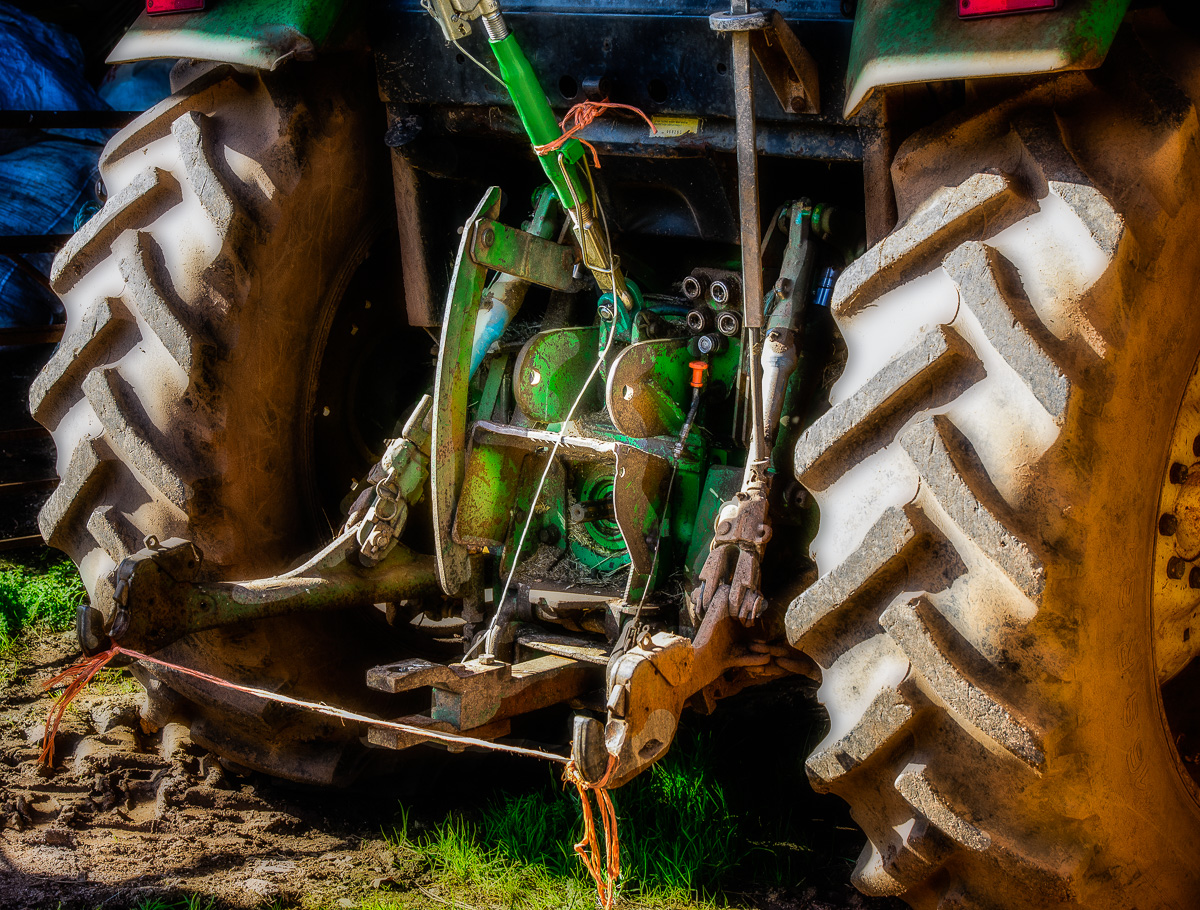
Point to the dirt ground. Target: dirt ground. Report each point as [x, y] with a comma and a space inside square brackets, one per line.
[125, 817]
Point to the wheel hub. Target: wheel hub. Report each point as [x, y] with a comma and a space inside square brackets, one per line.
[1175, 594]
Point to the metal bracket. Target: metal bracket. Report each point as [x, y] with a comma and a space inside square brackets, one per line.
[454, 16]
[651, 682]
[476, 693]
[789, 67]
[523, 255]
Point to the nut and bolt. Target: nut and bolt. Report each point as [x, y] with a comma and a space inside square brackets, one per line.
[606, 313]
[729, 324]
[487, 238]
[692, 289]
[719, 291]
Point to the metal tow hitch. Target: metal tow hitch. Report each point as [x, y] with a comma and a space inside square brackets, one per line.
[649, 685]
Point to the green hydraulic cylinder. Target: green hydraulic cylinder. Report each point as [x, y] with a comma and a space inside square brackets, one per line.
[540, 123]
[564, 167]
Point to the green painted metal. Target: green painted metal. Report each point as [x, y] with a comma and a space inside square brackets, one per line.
[552, 369]
[258, 33]
[904, 41]
[525, 256]
[647, 390]
[450, 392]
[540, 123]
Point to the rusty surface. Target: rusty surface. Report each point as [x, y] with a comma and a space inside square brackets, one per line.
[649, 685]
[448, 466]
[789, 67]
[639, 488]
[731, 577]
[159, 598]
[647, 388]
[474, 693]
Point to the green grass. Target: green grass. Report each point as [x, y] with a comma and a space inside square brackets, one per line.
[37, 593]
[681, 845]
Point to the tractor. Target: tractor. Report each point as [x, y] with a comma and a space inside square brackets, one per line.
[537, 370]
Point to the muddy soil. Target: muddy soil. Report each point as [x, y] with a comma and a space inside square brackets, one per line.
[125, 816]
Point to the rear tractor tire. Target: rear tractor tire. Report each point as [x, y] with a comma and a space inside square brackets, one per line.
[1003, 613]
[182, 397]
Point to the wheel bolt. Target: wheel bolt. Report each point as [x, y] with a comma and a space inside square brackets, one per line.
[1175, 567]
[1168, 524]
[1179, 472]
[1194, 577]
[1196, 446]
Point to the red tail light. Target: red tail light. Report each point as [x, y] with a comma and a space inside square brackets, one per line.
[971, 9]
[156, 7]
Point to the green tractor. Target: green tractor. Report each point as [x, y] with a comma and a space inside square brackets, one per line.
[538, 370]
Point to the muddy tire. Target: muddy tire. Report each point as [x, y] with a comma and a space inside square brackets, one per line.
[181, 398]
[989, 475]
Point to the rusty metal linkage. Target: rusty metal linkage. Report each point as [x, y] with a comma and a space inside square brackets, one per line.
[159, 598]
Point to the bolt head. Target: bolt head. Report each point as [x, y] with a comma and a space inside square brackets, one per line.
[1178, 473]
[1168, 524]
[1175, 568]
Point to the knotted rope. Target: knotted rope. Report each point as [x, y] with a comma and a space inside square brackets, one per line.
[580, 116]
[604, 867]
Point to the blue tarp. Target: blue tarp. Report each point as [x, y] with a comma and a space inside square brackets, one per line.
[48, 178]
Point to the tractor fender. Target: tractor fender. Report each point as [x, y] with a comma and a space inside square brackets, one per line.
[256, 33]
[903, 41]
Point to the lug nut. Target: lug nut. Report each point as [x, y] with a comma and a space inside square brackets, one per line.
[697, 320]
[1194, 578]
[719, 291]
[728, 323]
[1196, 446]
[1168, 524]
[692, 288]
[1176, 567]
[1179, 473]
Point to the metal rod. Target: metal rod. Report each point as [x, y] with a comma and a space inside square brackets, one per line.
[752, 283]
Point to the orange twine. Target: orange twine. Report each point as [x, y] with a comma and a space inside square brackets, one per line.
[607, 874]
[580, 116]
[80, 674]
